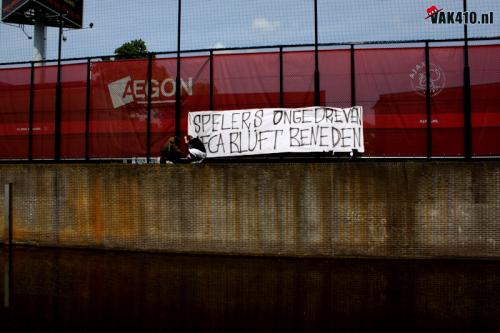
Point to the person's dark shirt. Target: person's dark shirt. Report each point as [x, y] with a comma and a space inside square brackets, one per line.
[171, 152]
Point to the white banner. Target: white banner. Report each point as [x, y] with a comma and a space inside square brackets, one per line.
[269, 131]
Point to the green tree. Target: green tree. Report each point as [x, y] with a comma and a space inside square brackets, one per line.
[132, 50]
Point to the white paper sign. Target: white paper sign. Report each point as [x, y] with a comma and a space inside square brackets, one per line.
[269, 131]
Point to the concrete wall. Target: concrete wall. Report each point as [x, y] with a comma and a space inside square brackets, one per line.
[414, 209]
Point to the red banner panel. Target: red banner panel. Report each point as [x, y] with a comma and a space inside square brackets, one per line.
[447, 102]
[119, 112]
[118, 109]
[14, 112]
[298, 78]
[195, 93]
[389, 87]
[163, 101]
[246, 81]
[485, 90]
[44, 106]
[335, 80]
[73, 105]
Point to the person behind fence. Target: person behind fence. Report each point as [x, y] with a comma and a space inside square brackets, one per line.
[197, 151]
[170, 152]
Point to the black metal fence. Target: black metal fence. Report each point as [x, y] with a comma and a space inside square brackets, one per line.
[317, 47]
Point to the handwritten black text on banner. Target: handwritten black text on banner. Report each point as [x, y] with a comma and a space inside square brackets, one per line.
[268, 131]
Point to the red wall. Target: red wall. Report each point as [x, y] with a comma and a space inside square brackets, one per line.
[388, 85]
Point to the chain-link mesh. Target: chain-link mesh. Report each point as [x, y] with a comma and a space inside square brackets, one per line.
[116, 22]
[484, 10]
[235, 23]
[382, 20]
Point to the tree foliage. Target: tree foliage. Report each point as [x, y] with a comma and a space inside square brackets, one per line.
[131, 50]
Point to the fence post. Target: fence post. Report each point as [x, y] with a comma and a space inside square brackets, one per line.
[428, 99]
[8, 226]
[211, 106]
[31, 109]
[353, 77]
[316, 57]
[148, 125]
[58, 115]
[7, 279]
[178, 87]
[282, 97]
[7, 202]
[87, 112]
[467, 96]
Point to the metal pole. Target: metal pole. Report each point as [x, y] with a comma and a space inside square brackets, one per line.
[30, 115]
[9, 228]
[282, 97]
[7, 279]
[148, 125]
[353, 77]
[211, 106]
[178, 106]
[39, 40]
[467, 96]
[58, 116]
[87, 112]
[316, 57]
[428, 99]
[8, 211]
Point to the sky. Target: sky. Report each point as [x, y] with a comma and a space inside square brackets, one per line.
[243, 23]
